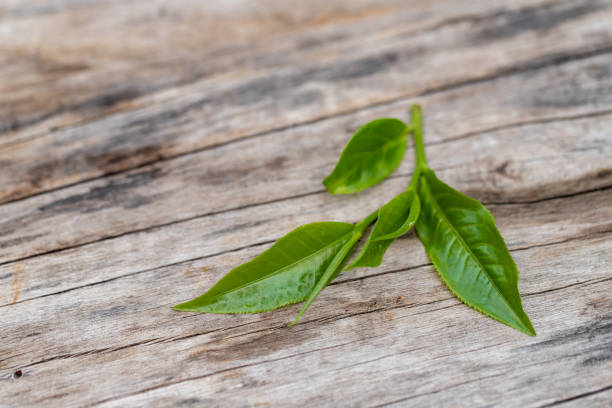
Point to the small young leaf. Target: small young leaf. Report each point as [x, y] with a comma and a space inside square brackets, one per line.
[405, 208]
[462, 241]
[394, 220]
[373, 152]
[285, 273]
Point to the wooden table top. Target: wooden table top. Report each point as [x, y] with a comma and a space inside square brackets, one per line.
[148, 147]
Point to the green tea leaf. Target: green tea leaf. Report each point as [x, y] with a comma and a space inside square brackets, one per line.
[394, 220]
[285, 273]
[462, 241]
[403, 210]
[373, 152]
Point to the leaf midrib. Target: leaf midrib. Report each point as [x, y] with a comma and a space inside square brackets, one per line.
[283, 268]
[469, 251]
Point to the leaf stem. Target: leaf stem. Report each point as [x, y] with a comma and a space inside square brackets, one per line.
[416, 125]
[415, 178]
[337, 262]
[417, 132]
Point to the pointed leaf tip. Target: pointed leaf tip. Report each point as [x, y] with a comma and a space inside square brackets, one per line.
[285, 273]
[181, 306]
[462, 240]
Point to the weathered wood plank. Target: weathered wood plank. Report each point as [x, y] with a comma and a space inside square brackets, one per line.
[287, 86]
[523, 225]
[217, 121]
[22, 321]
[494, 371]
[548, 160]
[570, 312]
[187, 35]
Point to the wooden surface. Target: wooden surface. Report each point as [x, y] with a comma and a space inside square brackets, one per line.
[148, 147]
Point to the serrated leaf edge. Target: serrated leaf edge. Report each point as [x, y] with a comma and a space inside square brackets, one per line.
[465, 246]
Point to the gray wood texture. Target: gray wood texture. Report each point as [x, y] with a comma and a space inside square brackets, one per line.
[148, 147]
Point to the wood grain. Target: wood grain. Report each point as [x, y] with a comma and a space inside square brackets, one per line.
[142, 121]
[147, 148]
[136, 328]
[272, 171]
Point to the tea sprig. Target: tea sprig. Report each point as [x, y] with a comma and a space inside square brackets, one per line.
[459, 235]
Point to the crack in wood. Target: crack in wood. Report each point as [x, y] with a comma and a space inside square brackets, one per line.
[437, 391]
[91, 352]
[557, 197]
[576, 397]
[519, 124]
[583, 283]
